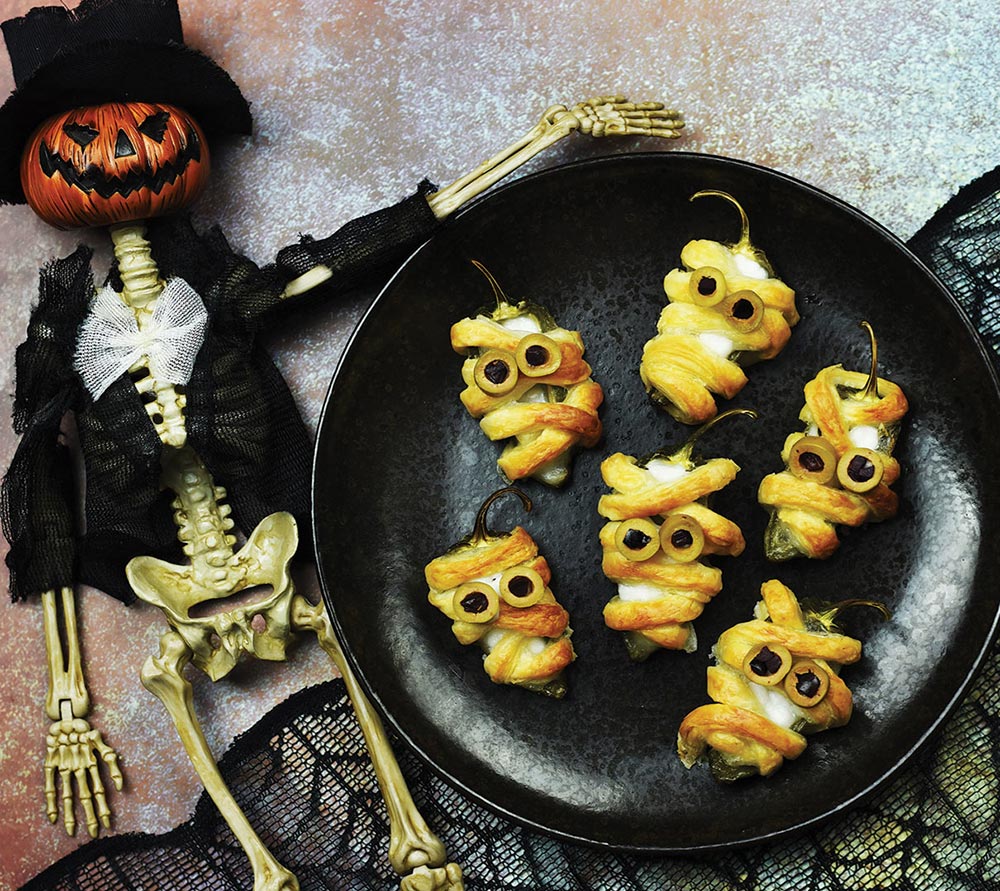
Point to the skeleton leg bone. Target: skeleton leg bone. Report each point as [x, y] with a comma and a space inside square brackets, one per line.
[161, 675]
[413, 848]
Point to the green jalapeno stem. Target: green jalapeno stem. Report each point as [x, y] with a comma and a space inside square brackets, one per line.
[684, 452]
[827, 616]
[498, 293]
[871, 385]
[480, 533]
[744, 245]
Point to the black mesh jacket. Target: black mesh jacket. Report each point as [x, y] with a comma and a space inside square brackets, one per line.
[241, 418]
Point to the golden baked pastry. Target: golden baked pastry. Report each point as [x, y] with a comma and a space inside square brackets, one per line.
[526, 380]
[839, 469]
[495, 589]
[727, 310]
[663, 584]
[776, 679]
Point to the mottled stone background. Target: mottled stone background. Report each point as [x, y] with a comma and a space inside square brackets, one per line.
[889, 105]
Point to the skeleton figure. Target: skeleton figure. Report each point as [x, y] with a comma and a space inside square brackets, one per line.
[182, 416]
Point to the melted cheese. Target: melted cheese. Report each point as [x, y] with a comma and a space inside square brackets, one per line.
[637, 592]
[717, 343]
[864, 436]
[749, 267]
[664, 471]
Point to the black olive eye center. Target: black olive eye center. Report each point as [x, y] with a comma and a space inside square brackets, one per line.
[743, 309]
[520, 586]
[476, 602]
[765, 663]
[536, 355]
[497, 371]
[682, 539]
[706, 286]
[811, 462]
[81, 134]
[635, 540]
[807, 684]
[861, 469]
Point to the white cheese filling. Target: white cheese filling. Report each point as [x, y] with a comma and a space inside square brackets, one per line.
[664, 471]
[864, 436]
[717, 343]
[749, 267]
[638, 592]
[534, 645]
[776, 705]
[528, 324]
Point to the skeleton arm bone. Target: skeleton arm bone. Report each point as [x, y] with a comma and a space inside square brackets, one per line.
[603, 116]
[73, 746]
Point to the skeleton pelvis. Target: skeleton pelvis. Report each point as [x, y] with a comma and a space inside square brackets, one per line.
[260, 627]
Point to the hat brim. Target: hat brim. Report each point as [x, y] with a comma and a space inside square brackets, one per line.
[118, 71]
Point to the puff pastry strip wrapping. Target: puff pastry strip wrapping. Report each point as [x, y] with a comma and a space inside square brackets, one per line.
[805, 513]
[699, 349]
[751, 727]
[543, 415]
[528, 646]
[660, 596]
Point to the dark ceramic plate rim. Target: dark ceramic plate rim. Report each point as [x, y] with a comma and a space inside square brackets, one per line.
[834, 809]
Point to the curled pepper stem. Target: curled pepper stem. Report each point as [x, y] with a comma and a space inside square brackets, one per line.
[498, 292]
[871, 385]
[744, 241]
[480, 533]
[828, 615]
[684, 452]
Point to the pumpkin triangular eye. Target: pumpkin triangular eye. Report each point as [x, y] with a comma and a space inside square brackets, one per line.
[155, 126]
[81, 134]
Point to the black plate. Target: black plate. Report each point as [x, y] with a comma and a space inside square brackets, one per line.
[401, 468]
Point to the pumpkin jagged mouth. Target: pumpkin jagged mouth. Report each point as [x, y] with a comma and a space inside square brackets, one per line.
[94, 180]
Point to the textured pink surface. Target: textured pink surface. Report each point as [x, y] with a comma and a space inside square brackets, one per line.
[889, 105]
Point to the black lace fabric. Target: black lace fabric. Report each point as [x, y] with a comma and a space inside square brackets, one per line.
[303, 776]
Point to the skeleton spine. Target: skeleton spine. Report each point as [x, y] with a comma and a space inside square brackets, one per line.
[141, 285]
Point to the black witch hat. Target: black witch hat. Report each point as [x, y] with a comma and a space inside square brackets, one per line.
[107, 51]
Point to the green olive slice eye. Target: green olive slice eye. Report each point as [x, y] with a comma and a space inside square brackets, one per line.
[860, 470]
[521, 586]
[496, 372]
[744, 310]
[767, 664]
[475, 602]
[806, 684]
[637, 539]
[813, 458]
[707, 286]
[538, 355]
[682, 538]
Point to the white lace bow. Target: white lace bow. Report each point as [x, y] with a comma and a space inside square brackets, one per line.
[110, 340]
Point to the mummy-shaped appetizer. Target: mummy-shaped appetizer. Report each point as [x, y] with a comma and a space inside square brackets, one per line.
[726, 310]
[662, 584]
[838, 471]
[526, 379]
[776, 679]
[495, 589]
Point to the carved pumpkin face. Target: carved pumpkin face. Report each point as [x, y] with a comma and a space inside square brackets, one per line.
[114, 163]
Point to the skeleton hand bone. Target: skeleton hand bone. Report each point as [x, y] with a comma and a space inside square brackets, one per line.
[613, 116]
[72, 750]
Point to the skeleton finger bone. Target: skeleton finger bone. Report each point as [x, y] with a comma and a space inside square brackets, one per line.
[597, 117]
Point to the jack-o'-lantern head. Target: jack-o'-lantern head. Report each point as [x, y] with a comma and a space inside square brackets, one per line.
[113, 163]
[109, 114]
